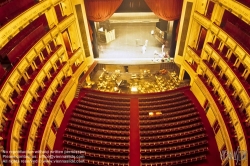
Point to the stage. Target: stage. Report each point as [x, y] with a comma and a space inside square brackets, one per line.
[127, 48]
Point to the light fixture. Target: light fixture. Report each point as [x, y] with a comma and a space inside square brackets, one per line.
[134, 89]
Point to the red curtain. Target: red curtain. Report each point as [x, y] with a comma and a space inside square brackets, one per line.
[101, 10]
[90, 32]
[168, 10]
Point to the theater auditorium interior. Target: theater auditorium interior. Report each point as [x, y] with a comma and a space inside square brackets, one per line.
[124, 82]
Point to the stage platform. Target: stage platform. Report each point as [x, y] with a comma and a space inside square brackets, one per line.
[133, 61]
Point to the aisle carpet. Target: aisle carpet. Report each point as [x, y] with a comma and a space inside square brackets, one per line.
[134, 133]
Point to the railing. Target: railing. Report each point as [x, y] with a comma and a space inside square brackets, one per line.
[15, 73]
[12, 27]
[56, 106]
[239, 128]
[216, 110]
[238, 8]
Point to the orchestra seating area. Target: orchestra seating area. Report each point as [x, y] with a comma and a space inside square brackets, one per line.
[176, 136]
[100, 127]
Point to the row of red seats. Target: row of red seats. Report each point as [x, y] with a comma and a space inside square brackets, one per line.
[95, 142]
[97, 125]
[155, 131]
[102, 101]
[23, 33]
[173, 135]
[3, 2]
[105, 106]
[240, 36]
[102, 115]
[178, 127]
[181, 154]
[98, 154]
[101, 120]
[174, 118]
[164, 97]
[18, 51]
[107, 97]
[86, 147]
[162, 101]
[167, 109]
[103, 110]
[174, 141]
[94, 158]
[168, 114]
[98, 130]
[146, 125]
[103, 163]
[106, 156]
[180, 147]
[13, 9]
[96, 136]
[245, 2]
[162, 106]
[16, 39]
[184, 161]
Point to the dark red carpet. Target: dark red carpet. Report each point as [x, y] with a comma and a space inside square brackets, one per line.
[213, 157]
[134, 133]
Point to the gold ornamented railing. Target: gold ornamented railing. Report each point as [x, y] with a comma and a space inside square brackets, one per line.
[56, 108]
[237, 8]
[66, 22]
[217, 114]
[12, 27]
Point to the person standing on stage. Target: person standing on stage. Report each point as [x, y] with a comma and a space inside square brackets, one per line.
[143, 49]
